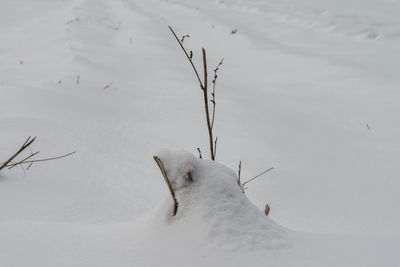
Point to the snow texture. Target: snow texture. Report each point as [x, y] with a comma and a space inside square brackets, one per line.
[215, 203]
[309, 87]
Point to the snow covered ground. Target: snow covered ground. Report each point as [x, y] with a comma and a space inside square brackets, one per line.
[308, 87]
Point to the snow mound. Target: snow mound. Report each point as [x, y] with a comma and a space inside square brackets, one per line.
[214, 207]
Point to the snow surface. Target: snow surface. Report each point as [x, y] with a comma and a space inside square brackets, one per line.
[216, 205]
[308, 87]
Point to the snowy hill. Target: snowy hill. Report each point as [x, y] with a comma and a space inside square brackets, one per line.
[308, 87]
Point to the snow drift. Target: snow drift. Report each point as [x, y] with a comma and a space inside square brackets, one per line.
[216, 205]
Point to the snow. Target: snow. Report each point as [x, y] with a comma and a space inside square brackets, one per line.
[215, 203]
[301, 80]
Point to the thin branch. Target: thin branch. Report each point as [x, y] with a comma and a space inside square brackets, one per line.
[205, 95]
[239, 172]
[188, 57]
[162, 169]
[30, 142]
[204, 87]
[200, 156]
[20, 162]
[258, 175]
[215, 147]
[214, 81]
[29, 166]
[47, 159]
[10, 164]
[184, 36]
[26, 144]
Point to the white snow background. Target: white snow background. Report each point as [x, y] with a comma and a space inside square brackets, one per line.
[308, 87]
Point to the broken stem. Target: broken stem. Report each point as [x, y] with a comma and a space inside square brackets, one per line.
[164, 173]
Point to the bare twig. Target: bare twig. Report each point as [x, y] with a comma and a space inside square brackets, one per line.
[162, 169]
[22, 161]
[189, 58]
[203, 86]
[214, 81]
[258, 175]
[215, 147]
[47, 159]
[26, 144]
[239, 172]
[10, 164]
[200, 156]
[184, 36]
[29, 166]
[205, 96]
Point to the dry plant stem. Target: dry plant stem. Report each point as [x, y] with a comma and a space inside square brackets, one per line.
[239, 172]
[267, 209]
[205, 94]
[47, 159]
[213, 92]
[188, 57]
[22, 161]
[200, 156]
[10, 164]
[190, 176]
[215, 147]
[26, 144]
[162, 169]
[184, 36]
[213, 112]
[258, 175]
[204, 87]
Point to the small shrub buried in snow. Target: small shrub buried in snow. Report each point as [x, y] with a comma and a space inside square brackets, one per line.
[212, 205]
[182, 168]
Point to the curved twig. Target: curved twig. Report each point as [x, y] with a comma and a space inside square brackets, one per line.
[188, 57]
[171, 190]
